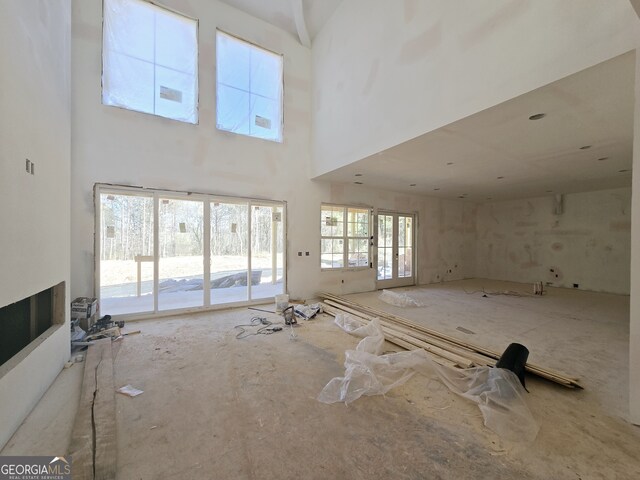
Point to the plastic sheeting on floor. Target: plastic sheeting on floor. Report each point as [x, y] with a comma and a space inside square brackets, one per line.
[497, 391]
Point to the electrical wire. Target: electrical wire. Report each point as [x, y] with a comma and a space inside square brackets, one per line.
[266, 327]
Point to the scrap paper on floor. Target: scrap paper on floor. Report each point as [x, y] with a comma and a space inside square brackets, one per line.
[129, 391]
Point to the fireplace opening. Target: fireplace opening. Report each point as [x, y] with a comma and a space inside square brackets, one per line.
[24, 321]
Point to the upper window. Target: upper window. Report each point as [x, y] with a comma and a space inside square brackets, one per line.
[150, 60]
[344, 237]
[249, 89]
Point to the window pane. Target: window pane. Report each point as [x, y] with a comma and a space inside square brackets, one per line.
[249, 89]
[267, 254]
[265, 118]
[358, 223]
[129, 83]
[129, 28]
[126, 254]
[233, 110]
[266, 74]
[146, 47]
[332, 221]
[181, 267]
[229, 252]
[174, 43]
[174, 95]
[233, 62]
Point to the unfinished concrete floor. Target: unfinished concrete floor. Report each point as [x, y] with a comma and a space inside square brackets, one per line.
[217, 407]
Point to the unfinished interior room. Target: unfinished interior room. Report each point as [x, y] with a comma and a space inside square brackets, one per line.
[319, 239]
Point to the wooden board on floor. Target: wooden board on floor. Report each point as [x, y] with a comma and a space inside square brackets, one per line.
[95, 421]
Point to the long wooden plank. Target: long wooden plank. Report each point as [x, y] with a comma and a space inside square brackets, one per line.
[535, 369]
[394, 334]
[549, 374]
[399, 342]
[472, 357]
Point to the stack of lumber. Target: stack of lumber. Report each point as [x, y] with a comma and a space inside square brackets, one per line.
[445, 349]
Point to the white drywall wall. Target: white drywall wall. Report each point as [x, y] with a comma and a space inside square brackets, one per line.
[634, 314]
[112, 145]
[588, 244]
[388, 71]
[34, 209]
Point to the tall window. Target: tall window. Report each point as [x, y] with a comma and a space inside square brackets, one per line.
[249, 89]
[345, 240]
[150, 60]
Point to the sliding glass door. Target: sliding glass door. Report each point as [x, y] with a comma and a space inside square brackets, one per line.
[126, 253]
[165, 252]
[180, 254]
[229, 252]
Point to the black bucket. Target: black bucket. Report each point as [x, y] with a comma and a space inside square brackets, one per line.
[515, 358]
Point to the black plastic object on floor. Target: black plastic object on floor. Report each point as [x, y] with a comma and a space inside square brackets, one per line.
[515, 358]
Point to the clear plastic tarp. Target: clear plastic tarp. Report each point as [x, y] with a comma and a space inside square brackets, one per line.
[150, 60]
[497, 391]
[400, 299]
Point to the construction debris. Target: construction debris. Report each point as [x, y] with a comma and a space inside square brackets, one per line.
[496, 391]
[399, 299]
[129, 391]
[444, 349]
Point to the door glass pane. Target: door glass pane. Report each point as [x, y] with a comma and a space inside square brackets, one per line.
[385, 247]
[229, 252]
[181, 270]
[267, 251]
[405, 246]
[126, 254]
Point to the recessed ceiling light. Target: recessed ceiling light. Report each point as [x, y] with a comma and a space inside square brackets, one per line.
[412, 184]
[537, 116]
[358, 175]
[500, 178]
[449, 163]
[585, 147]
[358, 183]
[603, 158]
[624, 170]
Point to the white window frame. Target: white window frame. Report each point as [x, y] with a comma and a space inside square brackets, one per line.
[345, 237]
[123, 106]
[207, 199]
[252, 45]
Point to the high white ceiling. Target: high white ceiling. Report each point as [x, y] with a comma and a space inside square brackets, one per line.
[536, 158]
[281, 13]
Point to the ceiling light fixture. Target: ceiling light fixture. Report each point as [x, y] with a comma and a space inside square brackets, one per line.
[624, 170]
[537, 116]
[358, 175]
[436, 189]
[358, 183]
[500, 178]
[449, 163]
[549, 191]
[586, 147]
[412, 184]
[603, 158]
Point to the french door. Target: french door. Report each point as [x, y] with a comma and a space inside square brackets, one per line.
[395, 249]
[167, 251]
